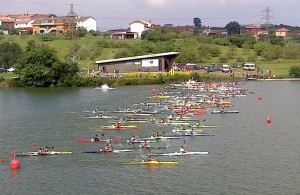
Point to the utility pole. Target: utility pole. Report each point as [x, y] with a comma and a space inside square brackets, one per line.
[267, 17]
[71, 20]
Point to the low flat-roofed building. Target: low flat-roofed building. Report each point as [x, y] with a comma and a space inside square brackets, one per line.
[161, 62]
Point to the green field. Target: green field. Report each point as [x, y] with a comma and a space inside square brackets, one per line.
[92, 48]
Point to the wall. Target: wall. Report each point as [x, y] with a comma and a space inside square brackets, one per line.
[138, 28]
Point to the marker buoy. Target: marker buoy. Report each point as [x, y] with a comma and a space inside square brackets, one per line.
[33, 144]
[259, 97]
[269, 121]
[14, 164]
[153, 91]
[2, 160]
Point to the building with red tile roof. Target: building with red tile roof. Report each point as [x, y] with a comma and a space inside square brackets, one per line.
[282, 32]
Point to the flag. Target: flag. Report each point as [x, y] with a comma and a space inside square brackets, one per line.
[12, 153]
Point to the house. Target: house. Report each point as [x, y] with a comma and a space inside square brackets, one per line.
[123, 35]
[139, 26]
[209, 31]
[186, 28]
[7, 22]
[57, 25]
[87, 22]
[253, 30]
[262, 32]
[281, 32]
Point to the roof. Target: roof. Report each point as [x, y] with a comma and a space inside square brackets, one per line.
[148, 23]
[83, 18]
[282, 30]
[137, 57]
[253, 26]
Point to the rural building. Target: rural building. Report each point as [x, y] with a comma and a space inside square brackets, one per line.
[7, 22]
[139, 26]
[57, 25]
[87, 22]
[161, 62]
[253, 30]
[281, 32]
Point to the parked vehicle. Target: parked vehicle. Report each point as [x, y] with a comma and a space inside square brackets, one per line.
[3, 70]
[225, 68]
[211, 68]
[249, 66]
[236, 66]
[11, 70]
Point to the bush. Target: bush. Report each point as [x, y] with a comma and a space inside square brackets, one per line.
[295, 71]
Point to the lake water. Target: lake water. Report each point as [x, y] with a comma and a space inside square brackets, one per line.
[246, 156]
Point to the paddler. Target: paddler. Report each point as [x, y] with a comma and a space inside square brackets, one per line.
[182, 150]
[96, 138]
[145, 144]
[107, 148]
[118, 124]
[149, 158]
[133, 139]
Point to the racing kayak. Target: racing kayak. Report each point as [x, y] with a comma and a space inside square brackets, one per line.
[42, 154]
[160, 137]
[196, 134]
[113, 127]
[140, 141]
[224, 112]
[112, 140]
[152, 163]
[103, 151]
[180, 153]
[100, 117]
[204, 126]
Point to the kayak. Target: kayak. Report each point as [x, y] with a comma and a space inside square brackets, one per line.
[160, 137]
[204, 126]
[113, 140]
[100, 117]
[196, 134]
[152, 163]
[140, 141]
[43, 154]
[180, 154]
[224, 112]
[113, 127]
[103, 151]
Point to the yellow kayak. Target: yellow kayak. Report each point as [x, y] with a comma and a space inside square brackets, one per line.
[152, 163]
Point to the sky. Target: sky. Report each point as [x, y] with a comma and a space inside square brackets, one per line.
[115, 14]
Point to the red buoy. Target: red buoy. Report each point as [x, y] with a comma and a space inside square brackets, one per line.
[153, 91]
[14, 164]
[259, 97]
[33, 144]
[269, 121]
[2, 160]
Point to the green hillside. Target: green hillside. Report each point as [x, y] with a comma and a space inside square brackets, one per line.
[275, 54]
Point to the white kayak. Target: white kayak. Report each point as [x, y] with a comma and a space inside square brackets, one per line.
[181, 153]
[160, 137]
[100, 117]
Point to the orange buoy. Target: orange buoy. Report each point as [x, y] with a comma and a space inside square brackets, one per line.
[14, 164]
[269, 121]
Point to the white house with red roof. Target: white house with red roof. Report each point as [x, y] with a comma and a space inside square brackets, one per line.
[139, 26]
[282, 32]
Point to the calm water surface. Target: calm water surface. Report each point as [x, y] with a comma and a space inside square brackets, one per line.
[246, 156]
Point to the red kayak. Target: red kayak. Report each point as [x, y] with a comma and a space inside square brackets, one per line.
[113, 140]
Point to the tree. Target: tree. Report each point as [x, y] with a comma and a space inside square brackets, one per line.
[9, 53]
[233, 28]
[197, 23]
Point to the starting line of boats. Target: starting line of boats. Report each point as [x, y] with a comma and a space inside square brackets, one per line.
[180, 107]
